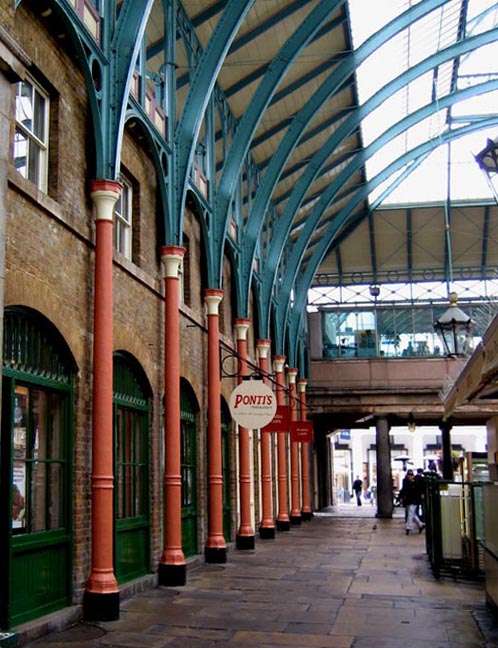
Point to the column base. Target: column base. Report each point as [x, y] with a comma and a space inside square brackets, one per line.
[215, 555]
[266, 533]
[245, 542]
[295, 520]
[306, 516]
[101, 607]
[172, 575]
[283, 525]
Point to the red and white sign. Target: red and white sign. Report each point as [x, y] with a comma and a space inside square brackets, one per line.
[280, 422]
[302, 431]
[252, 404]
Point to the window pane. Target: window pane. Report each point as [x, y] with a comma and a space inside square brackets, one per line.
[20, 152]
[36, 509]
[35, 164]
[54, 492]
[55, 440]
[24, 105]
[39, 116]
[38, 432]
[20, 451]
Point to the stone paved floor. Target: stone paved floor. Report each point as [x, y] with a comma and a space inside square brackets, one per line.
[334, 582]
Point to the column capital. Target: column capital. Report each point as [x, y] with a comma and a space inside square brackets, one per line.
[278, 363]
[241, 326]
[171, 259]
[212, 299]
[291, 376]
[105, 194]
[263, 348]
[301, 384]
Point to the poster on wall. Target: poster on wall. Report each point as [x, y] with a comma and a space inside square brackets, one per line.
[19, 464]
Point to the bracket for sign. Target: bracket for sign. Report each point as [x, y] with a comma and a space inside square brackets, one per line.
[231, 364]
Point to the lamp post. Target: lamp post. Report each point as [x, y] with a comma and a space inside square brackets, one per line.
[454, 328]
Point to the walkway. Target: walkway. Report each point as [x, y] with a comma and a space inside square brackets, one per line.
[334, 582]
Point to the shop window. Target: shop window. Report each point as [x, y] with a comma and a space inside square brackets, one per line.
[38, 461]
[31, 133]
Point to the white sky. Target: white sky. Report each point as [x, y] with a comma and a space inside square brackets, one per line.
[407, 48]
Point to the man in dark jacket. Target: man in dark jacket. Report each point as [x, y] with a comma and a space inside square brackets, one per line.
[357, 484]
[410, 496]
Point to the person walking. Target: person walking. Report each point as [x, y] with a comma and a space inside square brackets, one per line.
[410, 496]
[357, 484]
[420, 484]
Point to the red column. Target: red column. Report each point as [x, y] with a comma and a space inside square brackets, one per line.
[267, 525]
[295, 513]
[172, 567]
[215, 550]
[306, 512]
[245, 535]
[101, 599]
[283, 522]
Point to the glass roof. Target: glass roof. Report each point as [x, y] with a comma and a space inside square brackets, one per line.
[430, 181]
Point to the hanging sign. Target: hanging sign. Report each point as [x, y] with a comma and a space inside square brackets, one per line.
[252, 404]
[280, 422]
[301, 431]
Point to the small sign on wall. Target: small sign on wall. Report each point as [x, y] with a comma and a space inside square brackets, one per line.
[301, 431]
[280, 422]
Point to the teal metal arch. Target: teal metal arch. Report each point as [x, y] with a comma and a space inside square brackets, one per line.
[331, 85]
[253, 115]
[301, 284]
[359, 160]
[195, 106]
[161, 157]
[349, 125]
[124, 48]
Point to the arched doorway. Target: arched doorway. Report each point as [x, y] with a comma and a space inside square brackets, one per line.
[36, 469]
[132, 397]
[189, 415]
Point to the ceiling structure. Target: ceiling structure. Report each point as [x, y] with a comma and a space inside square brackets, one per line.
[308, 144]
[292, 124]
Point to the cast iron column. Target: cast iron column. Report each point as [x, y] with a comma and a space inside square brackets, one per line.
[267, 526]
[245, 536]
[283, 522]
[216, 548]
[306, 512]
[295, 513]
[172, 567]
[384, 477]
[101, 598]
[445, 428]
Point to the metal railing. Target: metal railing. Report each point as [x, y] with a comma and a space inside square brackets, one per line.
[455, 527]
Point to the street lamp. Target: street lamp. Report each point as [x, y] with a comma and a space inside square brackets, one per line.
[454, 328]
[487, 160]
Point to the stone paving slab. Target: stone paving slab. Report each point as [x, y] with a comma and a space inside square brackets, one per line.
[333, 582]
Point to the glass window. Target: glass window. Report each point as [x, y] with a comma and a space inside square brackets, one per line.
[123, 220]
[31, 133]
[38, 465]
[131, 466]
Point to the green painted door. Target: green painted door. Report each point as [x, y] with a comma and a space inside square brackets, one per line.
[190, 514]
[36, 514]
[132, 500]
